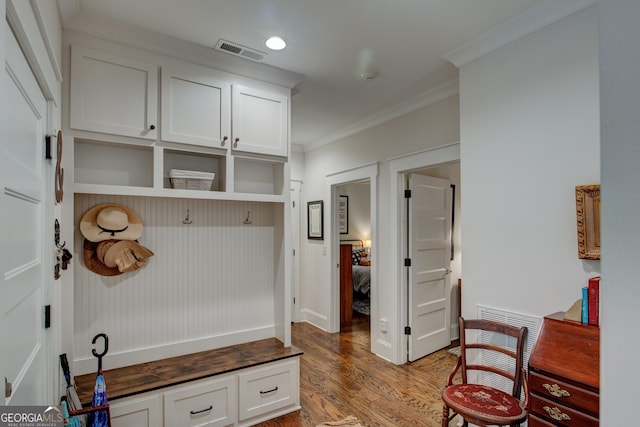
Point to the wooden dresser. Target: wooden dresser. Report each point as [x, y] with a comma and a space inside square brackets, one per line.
[564, 374]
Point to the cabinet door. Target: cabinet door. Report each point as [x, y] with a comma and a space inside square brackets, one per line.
[113, 94]
[260, 121]
[195, 106]
[137, 412]
[207, 403]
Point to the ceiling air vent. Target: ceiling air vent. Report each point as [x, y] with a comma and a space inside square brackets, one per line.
[239, 50]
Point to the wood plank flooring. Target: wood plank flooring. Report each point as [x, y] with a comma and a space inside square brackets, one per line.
[339, 376]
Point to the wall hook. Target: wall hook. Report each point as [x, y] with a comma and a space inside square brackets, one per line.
[248, 219]
[187, 220]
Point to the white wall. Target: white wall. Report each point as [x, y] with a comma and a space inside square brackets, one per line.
[432, 126]
[359, 214]
[620, 110]
[297, 165]
[529, 134]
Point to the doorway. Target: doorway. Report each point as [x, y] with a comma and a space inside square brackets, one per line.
[354, 235]
[430, 162]
[364, 174]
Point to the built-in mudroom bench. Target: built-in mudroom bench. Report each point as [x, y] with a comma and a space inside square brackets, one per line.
[237, 385]
[200, 330]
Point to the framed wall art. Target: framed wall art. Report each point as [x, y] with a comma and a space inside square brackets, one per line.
[315, 220]
[588, 221]
[343, 215]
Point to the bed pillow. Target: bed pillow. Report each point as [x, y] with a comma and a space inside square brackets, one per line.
[357, 255]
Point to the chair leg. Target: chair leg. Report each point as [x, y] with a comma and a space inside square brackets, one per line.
[445, 416]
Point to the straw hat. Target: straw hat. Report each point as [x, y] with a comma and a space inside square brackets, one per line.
[110, 221]
[126, 255]
[91, 261]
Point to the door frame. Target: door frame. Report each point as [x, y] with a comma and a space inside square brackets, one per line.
[399, 167]
[296, 197]
[366, 172]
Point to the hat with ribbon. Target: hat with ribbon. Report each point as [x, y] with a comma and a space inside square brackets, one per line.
[114, 257]
[126, 255]
[110, 221]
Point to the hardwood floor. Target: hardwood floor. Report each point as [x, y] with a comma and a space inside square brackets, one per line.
[339, 376]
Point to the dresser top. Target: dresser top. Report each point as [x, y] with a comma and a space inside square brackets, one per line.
[569, 350]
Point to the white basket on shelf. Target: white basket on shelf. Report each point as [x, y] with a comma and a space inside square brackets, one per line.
[191, 180]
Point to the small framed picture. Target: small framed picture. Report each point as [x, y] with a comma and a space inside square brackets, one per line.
[343, 215]
[315, 220]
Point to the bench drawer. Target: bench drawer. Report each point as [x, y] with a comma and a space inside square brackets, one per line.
[210, 403]
[267, 389]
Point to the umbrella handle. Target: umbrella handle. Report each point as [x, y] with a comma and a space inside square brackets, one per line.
[106, 348]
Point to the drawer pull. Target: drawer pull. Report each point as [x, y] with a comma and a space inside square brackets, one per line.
[556, 414]
[201, 411]
[556, 391]
[269, 391]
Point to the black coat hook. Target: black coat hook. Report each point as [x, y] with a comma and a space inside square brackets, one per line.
[106, 349]
[187, 220]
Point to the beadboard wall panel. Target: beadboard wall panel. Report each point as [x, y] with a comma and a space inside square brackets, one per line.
[209, 284]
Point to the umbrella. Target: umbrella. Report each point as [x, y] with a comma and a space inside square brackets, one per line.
[100, 418]
[71, 421]
[72, 399]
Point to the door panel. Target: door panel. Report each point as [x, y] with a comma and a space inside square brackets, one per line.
[21, 172]
[429, 230]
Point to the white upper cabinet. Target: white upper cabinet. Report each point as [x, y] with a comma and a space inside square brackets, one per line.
[113, 94]
[259, 121]
[196, 106]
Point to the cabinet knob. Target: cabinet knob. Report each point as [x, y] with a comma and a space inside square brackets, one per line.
[152, 127]
[224, 141]
[235, 143]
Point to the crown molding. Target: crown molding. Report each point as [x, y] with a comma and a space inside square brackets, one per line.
[543, 14]
[431, 96]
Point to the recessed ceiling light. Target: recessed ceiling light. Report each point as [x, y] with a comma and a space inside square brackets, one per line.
[276, 43]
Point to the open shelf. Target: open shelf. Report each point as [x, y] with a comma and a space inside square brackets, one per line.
[106, 163]
[258, 176]
[192, 161]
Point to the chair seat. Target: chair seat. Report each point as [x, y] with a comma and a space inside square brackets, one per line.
[484, 403]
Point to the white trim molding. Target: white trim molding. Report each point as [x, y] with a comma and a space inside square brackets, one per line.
[545, 13]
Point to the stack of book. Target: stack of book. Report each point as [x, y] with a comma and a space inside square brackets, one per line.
[591, 302]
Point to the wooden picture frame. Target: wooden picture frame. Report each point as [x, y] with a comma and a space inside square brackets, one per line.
[588, 221]
[343, 215]
[315, 220]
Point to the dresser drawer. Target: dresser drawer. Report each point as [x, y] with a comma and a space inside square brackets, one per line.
[209, 403]
[270, 388]
[563, 393]
[533, 421]
[559, 415]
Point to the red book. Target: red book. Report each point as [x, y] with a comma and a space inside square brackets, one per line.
[593, 290]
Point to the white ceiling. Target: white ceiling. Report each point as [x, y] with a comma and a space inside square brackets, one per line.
[330, 43]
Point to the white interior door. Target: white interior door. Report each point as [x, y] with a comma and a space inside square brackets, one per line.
[429, 237]
[23, 359]
[295, 245]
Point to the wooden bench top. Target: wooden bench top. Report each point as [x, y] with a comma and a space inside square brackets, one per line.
[136, 379]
